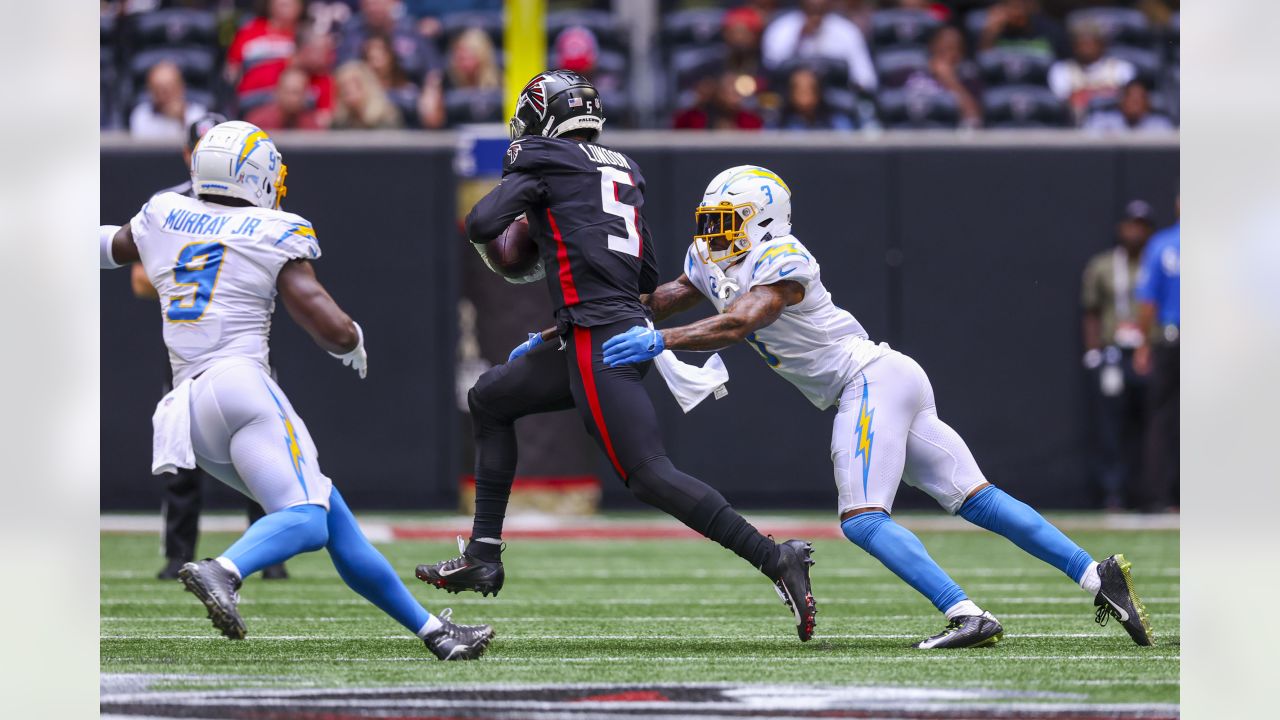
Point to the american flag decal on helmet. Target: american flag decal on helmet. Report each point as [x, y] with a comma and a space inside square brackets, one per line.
[535, 93]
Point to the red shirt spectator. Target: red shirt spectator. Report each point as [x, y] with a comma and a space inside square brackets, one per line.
[288, 111]
[718, 107]
[262, 50]
[315, 57]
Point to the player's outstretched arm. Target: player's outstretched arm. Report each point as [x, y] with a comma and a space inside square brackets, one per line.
[311, 306]
[670, 298]
[758, 308]
[116, 246]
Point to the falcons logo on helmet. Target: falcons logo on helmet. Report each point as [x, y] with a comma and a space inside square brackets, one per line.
[535, 94]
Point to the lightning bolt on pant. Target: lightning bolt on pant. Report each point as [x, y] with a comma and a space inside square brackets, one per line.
[887, 431]
[247, 434]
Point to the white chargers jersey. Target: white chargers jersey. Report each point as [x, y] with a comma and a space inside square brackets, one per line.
[215, 269]
[814, 344]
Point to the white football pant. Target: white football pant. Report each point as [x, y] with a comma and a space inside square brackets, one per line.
[246, 434]
[887, 431]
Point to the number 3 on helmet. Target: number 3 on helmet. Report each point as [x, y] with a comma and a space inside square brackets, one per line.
[742, 207]
[237, 159]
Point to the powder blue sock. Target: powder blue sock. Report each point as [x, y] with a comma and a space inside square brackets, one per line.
[997, 511]
[903, 553]
[278, 536]
[366, 571]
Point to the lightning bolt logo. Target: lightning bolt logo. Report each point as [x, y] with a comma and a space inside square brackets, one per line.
[865, 436]
[250, 144]
[291, 442]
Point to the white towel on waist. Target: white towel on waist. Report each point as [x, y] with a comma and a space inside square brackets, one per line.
[692, 384]
[171, 432]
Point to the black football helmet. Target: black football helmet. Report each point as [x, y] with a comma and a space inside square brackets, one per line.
[556, 102]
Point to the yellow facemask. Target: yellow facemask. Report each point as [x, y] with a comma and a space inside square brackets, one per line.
[281, 190]
[717, 222]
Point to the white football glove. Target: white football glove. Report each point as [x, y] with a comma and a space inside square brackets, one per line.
[538, 272]
[357, 358]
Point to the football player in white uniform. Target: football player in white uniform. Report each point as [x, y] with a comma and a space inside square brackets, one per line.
[217, 261]
[768, 290]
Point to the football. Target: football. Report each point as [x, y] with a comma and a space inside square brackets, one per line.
[514, 253]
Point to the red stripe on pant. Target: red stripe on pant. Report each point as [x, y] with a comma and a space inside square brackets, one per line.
[582, 343]
[567, 288]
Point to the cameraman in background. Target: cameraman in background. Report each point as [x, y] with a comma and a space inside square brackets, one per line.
[1112, 336]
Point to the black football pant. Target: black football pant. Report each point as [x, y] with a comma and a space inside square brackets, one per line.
[618, 413]
[1161, 472]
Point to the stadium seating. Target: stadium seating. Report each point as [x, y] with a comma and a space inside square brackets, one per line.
[453, 25]
[1146, 62]
[895, 65]
[902, 28]
[175, 27]
[902, 109]
[467, 105]
[1120, 26]
[1013, 67]
[1024, 106]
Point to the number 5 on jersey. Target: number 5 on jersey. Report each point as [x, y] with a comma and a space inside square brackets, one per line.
[610, 178]
[198, 265]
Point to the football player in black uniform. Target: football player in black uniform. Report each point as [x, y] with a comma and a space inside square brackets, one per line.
[583, 203]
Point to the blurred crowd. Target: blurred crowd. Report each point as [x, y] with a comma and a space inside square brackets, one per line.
[853, 65]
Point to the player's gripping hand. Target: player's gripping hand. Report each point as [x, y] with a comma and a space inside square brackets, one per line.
[535, 339]
[637, 345]
[356, 358]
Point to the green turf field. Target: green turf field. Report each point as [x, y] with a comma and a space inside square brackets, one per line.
[657, 611]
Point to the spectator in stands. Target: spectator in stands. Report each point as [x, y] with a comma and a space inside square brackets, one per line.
[1132, 114]
[742, 29]
[473, 62]
[858, 12]
[362, 103]
[815, 31]
[577, 49]
[806, 109]
[717, 106]
[290, 109]
[402, 92]
[165, 113]
[950, 71]
[315, 58]
[472, 81]
[1019, 25]
[386, 17]
[1111, 337]
[1089, 74]
[261, 50]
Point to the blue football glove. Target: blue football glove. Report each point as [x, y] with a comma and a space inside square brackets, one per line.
[535, 339]
[637, 345]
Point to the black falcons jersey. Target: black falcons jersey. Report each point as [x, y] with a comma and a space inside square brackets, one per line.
[583, 203]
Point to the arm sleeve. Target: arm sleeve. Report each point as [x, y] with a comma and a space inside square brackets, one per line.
[517, 192]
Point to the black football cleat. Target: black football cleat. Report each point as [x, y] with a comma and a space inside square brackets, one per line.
[792, 585]
[170, 569]
[1117, 599]
[218, 588]
[966, 631]
[275, 572]
[465, 572]
[458, 642]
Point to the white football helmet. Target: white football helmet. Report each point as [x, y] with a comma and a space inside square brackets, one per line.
[742, 206]
[237, 159]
